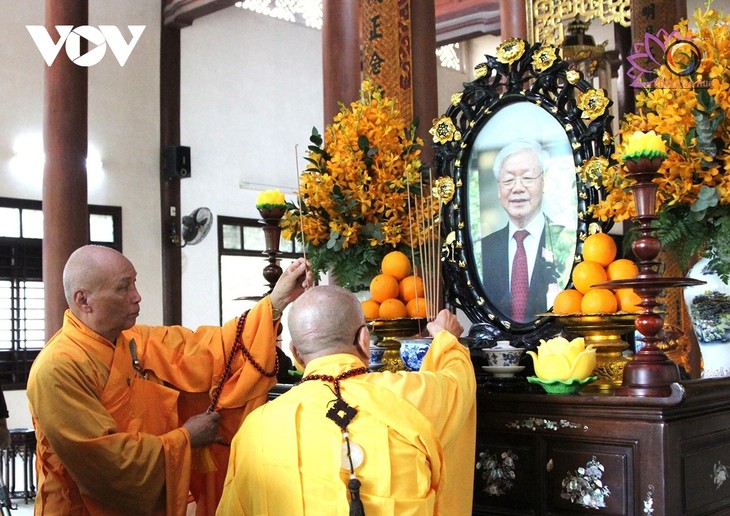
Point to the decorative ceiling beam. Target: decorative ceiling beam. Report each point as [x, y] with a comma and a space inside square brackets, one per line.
[182, 13]
[457, 20]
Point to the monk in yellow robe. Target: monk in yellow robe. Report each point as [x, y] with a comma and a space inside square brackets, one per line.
[108, 397]
[407, 450]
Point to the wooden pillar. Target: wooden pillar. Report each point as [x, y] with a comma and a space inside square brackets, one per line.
[65, 135]
[170, 188]
[340, 54]
[513, 19]
[651, 15]
[425, 83]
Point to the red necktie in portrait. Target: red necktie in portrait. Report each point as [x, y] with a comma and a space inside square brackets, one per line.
[519, 283]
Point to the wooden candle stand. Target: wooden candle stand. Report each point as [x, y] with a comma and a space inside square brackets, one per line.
[650, 373]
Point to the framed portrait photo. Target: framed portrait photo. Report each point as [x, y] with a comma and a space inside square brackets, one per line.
[516, 143]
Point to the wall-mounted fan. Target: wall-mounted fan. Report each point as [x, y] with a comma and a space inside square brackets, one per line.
[196, 225]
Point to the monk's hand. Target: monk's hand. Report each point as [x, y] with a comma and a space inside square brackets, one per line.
[295, 279]
[203, 429]
[445, 320]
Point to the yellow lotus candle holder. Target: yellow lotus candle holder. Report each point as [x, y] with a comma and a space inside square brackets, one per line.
[563, 366]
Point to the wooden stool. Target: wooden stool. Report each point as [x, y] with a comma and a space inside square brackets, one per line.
[22, 444]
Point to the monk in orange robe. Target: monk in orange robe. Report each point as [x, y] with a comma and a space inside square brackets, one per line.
[108, 397]
[399, 444]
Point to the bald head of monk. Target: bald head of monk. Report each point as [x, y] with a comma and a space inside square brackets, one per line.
[326, 320]
[100, 288]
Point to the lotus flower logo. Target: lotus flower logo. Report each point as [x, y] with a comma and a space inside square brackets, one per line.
[651, 53]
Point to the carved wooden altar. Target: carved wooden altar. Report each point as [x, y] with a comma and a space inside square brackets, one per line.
[556, 455]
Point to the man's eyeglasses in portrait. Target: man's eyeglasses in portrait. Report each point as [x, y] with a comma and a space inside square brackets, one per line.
[527, 181]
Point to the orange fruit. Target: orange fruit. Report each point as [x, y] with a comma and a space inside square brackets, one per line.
[411, 287]
[599, 247]
[586, 274]
[383, 286]
[599, 300]
[416, 307]
[371, 309]
[567, 302]
[396, 264]
[392, 309]
[622, 268]
[628, 300]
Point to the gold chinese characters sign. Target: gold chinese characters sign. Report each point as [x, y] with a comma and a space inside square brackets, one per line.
[387, 49]
[546, 17]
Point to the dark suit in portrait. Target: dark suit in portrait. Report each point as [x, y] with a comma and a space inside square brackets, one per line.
[551, 262]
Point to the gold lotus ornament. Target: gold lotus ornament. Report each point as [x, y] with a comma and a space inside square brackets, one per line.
[593, 169]
[511, 50]
[561, 359]
[593, 103]
[481, 70]
[544, 58]
[444, 130]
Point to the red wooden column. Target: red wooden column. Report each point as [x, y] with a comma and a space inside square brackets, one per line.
[340, 54]
[65, 134]
[513, 18]
[425, 84]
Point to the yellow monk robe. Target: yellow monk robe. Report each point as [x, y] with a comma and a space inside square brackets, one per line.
[417, 431]
[109, 441]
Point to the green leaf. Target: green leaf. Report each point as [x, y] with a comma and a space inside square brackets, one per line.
[316, 138]
[363, 143]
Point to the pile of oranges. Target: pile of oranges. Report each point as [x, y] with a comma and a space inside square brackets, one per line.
[599, 265]
[396, 292]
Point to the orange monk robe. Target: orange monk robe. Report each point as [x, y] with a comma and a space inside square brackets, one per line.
[417, 431]
[110, 442]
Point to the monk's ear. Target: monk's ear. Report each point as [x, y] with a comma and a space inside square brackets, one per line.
[362, 343]
[81, 300]
[295, 353]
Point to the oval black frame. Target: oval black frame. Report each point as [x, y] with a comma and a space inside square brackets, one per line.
[519, 73]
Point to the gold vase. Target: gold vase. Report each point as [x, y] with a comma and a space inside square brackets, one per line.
[605, 332]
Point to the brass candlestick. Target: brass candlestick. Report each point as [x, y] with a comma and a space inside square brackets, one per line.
[651, 373]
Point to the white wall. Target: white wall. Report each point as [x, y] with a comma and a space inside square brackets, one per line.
[251, 92]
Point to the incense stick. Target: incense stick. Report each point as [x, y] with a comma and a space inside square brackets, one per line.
[301, 201]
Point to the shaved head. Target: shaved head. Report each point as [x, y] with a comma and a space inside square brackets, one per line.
[325, 320]
[87, 268]
[99, 284]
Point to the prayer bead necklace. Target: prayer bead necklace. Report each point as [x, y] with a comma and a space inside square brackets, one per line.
[342, 414]
[238, 344]
[335, 379]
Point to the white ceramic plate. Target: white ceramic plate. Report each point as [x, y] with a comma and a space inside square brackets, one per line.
[503, 372]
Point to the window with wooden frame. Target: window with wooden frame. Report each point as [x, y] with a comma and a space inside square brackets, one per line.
[22, 315]
[242, 258]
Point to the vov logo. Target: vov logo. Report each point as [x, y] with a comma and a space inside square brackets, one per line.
[70, 37]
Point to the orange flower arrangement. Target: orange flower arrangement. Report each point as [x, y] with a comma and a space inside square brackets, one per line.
[689, 106]
[360, 192]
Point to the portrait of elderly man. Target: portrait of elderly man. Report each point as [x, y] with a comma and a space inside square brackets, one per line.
[523, 262]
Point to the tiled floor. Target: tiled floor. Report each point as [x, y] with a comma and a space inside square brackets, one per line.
[20, 508]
